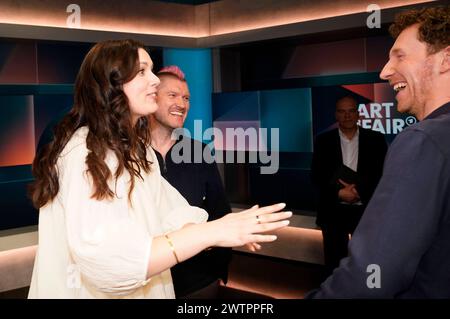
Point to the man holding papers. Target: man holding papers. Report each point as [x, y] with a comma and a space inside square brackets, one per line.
[346, 167]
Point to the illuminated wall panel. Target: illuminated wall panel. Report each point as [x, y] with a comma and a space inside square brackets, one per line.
[327, 58]
[16, 130]
[18, 62]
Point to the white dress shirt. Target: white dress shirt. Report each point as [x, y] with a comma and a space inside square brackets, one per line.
[350, 152]
[349, 148]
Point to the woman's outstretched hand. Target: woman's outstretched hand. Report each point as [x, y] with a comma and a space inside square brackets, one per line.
[248, 227]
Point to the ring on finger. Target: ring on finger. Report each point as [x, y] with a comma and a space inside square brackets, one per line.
[258, 220]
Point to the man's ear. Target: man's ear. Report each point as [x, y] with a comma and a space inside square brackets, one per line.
[445, 63]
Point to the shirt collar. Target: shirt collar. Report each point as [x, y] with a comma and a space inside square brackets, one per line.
[179, 139]
[444, 109]
[342, 135]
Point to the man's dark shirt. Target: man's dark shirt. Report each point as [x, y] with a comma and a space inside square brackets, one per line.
[201, 185]
[403, 237]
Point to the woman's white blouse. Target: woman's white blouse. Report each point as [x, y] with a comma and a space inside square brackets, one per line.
[101, 249]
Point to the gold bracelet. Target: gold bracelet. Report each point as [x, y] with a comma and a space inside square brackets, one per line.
[172, 248]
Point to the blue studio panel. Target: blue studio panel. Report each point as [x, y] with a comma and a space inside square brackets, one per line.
[197, 66]
[290, 111]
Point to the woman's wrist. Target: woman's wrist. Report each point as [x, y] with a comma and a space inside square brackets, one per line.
[209, 232]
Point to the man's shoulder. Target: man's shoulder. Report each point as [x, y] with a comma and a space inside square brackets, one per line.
[431, 134]
[436, 126]
[369, 132]
[194, 142]
[436, 130]
[329, 134]
[200, 153]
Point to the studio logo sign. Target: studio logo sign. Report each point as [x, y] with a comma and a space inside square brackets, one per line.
[379, 117]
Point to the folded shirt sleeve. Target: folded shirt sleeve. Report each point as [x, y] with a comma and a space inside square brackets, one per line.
[179, 212]
[109, 246]
[173, 208]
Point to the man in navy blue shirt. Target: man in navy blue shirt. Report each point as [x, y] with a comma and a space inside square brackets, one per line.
[198, 181]
[401, 247]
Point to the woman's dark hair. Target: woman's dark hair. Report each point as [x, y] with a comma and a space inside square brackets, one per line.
[100, 104]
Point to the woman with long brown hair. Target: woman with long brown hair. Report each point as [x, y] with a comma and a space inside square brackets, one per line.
[109, 224]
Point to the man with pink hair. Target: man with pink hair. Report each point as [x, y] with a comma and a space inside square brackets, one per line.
[199, 183]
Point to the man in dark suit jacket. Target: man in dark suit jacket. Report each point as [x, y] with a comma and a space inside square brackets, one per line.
[346, 167]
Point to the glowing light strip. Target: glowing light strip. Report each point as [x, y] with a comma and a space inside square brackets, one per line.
[224, 17]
